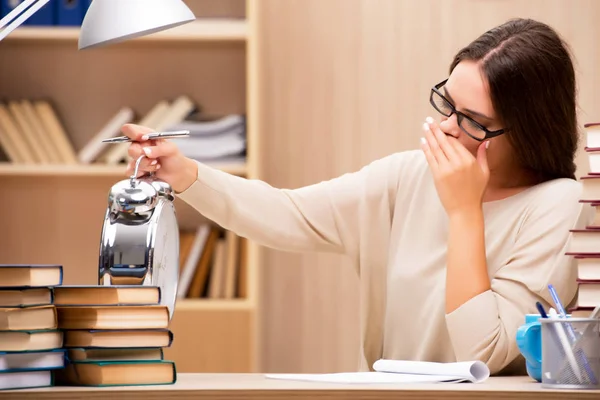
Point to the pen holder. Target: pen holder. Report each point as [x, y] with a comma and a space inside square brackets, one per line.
[570, 353]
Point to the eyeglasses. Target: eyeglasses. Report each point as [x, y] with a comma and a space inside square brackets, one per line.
[467, 124]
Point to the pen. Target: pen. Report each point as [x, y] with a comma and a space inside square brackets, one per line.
[541, 309]
[153, 135]
[571, 334]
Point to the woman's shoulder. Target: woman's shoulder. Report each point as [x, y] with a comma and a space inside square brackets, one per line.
[406, 162]
[556, 192]
[557, 199]
[411, 157]
[549, 194]
[395, 167]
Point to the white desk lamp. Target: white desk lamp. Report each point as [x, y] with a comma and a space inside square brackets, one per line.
[111, 21]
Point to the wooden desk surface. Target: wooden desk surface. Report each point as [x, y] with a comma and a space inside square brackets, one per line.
[256, 386]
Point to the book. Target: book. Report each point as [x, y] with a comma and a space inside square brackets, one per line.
[580, 312]
[113, 317]
[588, 293]
[588, 266]
[30, 340]
[32, 360]
[593, 154]
[54, 129]
[26, 297]
[122, 373]
[594, 221]
[217, 138]
[28, 133]
[126, 338]
[43, 141]
[28, 318]
[18, 147]
[116, 295]
[26, 379]
[592, 135]
[30, 275]
[94, 147]
[188, 268]
[584, 241]
[590, 192]
[115, 354]
[400, 371]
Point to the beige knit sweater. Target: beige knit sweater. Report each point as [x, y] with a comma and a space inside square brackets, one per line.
[388, 219]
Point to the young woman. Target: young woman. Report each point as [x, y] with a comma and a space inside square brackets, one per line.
[454, 242]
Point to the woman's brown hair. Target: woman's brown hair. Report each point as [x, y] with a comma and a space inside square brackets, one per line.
[532, 87]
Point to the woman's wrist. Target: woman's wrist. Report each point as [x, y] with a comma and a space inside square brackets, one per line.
[188, 176]
[467, 215]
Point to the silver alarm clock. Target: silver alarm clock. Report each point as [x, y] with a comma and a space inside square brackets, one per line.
[140, 236]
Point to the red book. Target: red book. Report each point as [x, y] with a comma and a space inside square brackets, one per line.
[592, 132]
[588, 293]
[591, 188]
[584, 242]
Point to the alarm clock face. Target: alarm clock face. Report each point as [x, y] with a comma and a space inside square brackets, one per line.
[142, 250]
[164, 252]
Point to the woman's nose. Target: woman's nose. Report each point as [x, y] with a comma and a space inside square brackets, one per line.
[449, 125]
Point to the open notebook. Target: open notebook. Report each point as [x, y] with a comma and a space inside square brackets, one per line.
[395, 371]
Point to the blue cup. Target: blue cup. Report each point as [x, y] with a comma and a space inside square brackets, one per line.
[529, 342]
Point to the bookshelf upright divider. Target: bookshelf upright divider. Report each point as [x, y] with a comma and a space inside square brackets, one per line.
[53, 213]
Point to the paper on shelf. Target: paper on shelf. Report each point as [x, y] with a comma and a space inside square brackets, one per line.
[394, 371]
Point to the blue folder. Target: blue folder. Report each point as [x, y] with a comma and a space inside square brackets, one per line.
[43, 17]
[55, 12]
[69, 12]
[7, 5]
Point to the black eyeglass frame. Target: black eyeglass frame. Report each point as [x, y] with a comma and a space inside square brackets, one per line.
[488, 134]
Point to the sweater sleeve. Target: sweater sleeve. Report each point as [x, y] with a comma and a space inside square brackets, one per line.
[326, 216]
[538, 258]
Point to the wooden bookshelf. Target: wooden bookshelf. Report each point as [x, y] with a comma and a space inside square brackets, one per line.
[206, 304]
[91, 170]
[53, 213]
[210, 30]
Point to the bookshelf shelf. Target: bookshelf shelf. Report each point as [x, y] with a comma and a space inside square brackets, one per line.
[213, 304]
[89, 170]
[217, 29]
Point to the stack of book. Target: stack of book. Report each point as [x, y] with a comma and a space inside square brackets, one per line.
[585, 243]
[30, 342]
[54, 334]
[213, 140]
[114, 336]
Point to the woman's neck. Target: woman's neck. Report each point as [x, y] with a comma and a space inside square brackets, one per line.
[507, 182]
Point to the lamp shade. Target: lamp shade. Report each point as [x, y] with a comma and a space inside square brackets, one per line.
[112, 21]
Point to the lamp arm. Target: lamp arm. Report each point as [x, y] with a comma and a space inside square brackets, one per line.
[24, 12]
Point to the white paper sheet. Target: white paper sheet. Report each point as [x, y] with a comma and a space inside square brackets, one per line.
[396, 371]
[366, 377]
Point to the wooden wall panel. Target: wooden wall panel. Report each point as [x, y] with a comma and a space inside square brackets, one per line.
[217, 8]
[341, 83]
